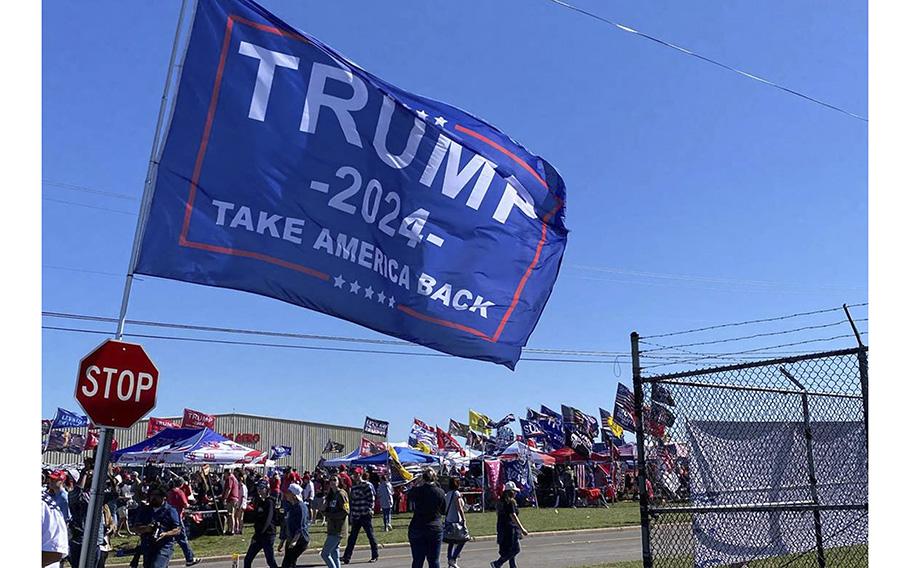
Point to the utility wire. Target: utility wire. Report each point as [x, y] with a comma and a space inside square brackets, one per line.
[709, 60]
[748, 322]
[65, 202]
[315, 348]
[743, 338]
[84, 189]
[824, 339]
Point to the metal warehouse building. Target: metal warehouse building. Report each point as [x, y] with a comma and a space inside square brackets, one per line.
[307, 439]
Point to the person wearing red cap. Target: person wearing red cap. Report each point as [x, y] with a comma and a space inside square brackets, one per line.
[363, 498]
[344, 479]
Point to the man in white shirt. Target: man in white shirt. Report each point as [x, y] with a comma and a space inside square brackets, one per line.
[309, 492]
[54, 539]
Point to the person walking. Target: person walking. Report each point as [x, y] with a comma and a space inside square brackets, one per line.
[297, 519]
[244, 498]
[263, 526]
[177, 498]
[230, 494]
[425, 529]
[54, 539]
[335, 510]
[454, 516]
[159, 526]
[385, 501]
[363, 498]
[509, 529]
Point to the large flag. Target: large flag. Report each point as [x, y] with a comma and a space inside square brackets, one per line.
[610, 425]
[291, 172]
[371, 447]
[624, 408]
[445, 441]
[507, 419]
[479, 423]
[375, 427]
[458, 429]
[579, 420]
[66, 419]
[661, 393]
[196, 419]
[530, 429]
[156, 425]
[332, 447]
[550, 422]
[421, 433]
[278, 452]
[396, 465]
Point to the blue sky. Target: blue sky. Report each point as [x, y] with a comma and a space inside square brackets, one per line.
[694, 196]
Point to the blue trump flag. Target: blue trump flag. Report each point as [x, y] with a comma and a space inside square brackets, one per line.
[289, 171]
[279, 452]
[66, 419]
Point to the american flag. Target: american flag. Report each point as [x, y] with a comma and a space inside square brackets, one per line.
[624, 408]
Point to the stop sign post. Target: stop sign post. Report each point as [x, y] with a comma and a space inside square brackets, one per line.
[116, 386]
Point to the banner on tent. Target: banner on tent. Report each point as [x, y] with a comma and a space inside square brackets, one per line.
[290, 172]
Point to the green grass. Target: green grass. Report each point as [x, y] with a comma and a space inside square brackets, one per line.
[480, 524]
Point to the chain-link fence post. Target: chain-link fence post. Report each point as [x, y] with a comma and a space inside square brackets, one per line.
[643, 503]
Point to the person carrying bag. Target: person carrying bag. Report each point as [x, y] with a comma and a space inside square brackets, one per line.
[456, 529]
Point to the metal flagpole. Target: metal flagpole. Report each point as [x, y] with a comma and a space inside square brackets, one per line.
[89, 554]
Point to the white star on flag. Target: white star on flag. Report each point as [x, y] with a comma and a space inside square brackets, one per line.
[355, 287]
[368, 292]
[391, 301]
[422, 114]
[381, 297]
[440, 121]
[339, 281]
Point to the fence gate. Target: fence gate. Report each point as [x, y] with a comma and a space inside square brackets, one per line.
[757, 464]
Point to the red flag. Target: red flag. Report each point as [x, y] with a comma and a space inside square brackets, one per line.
[445, 441]
[156, 425]
[91, 440]
[371, 448]
[196, 419]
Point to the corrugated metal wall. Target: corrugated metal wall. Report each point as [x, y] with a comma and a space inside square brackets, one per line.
[305, 438]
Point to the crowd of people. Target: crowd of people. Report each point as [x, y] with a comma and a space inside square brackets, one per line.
[282, 507]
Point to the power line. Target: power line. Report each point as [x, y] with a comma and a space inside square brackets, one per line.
[314, 347]
[743, 338]
[749, 322]
[709, 60]
[84, 189]
[65, 202]
[307, 336]
[760, 349]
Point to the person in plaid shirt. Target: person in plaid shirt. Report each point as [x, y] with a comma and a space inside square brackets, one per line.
[363, 498]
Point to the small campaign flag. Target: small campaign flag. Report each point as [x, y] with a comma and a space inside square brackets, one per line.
[479, 422]
[375, 427]
[196, 419]
[156, 425]
[67, 419]
[291, 172]
[332, 447]
[660, 393]
[445, 441]
[278, 452]
[458, 429]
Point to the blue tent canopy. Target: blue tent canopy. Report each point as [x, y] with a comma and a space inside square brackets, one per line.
[405, 455]
[186, 445]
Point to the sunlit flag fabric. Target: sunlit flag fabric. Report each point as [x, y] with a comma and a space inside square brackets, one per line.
[479, 422]
[66, 419]
[624, 408]
[289, 171]
[421, 433]
[458, 428]
[195, 419]
[278, 452]
[375, 427]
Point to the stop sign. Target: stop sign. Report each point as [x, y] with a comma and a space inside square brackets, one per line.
[117, 384]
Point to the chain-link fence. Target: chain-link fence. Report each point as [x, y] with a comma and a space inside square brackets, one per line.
[762, 463]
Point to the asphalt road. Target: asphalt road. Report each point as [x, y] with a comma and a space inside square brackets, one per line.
[538, 551]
